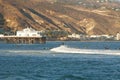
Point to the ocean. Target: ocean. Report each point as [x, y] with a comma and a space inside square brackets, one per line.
[74, 60]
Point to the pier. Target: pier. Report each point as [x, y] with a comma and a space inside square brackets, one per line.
[23, 40]
[27, 36]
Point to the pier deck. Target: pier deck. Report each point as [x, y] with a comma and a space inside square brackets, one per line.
[23, 40]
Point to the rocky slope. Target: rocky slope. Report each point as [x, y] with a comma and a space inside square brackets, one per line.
[73, 16]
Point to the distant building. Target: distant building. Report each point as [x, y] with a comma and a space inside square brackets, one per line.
[1, 35]
[102, 37]
[118, 36]
[102, 1]
[76, 36]
[26, 36]
[98, 36]
[29, 32]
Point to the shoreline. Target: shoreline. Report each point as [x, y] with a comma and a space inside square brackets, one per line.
[85, 40]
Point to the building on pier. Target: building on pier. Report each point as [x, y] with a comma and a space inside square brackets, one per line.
[25, 36]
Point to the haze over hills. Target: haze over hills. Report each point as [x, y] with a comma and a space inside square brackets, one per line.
[73, 16]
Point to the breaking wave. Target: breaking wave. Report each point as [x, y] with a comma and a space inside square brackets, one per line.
[66, 49]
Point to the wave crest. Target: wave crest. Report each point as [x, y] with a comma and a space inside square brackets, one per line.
[65, 49]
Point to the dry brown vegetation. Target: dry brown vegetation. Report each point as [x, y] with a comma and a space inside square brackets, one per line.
[67, 15]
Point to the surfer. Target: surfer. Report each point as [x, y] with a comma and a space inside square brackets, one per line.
[63, 43]
[106, 48]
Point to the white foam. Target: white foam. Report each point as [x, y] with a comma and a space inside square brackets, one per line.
[65, 49]
[24, 52]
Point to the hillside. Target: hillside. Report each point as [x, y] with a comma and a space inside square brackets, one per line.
[73, 16]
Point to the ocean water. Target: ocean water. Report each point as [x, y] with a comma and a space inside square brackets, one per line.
[53, 61]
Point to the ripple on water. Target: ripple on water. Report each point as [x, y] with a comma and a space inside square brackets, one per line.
[71, 77]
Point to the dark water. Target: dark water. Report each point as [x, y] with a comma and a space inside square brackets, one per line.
[37, 62]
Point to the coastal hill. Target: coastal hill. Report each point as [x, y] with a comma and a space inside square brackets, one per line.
[73, 16]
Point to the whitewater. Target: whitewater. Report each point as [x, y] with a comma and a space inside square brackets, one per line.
[66, 49]
[57, 48]
[61, 50]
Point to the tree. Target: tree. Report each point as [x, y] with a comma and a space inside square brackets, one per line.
[2, 20]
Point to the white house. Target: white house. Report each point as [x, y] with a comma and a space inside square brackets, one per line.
[29, 32]
[77, 36]
[1, 35]
[118, 36]
[99, 36]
